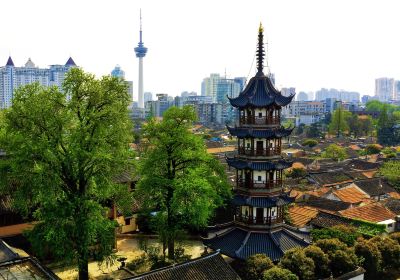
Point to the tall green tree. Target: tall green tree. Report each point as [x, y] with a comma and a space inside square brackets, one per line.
[64, 149]
[297, 262]
[339, 124]
[179, 179]
[335, 152]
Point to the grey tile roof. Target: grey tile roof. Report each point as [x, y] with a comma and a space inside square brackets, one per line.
[374, 186]
[260, 133]
[241, 244]
[358, 164]
[210, 267]
[262, 202]
[260, 92]
[326, 220]
[326, 204]
[258, 165]
[393, 205]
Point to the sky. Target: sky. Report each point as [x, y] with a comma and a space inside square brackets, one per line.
[311, 44]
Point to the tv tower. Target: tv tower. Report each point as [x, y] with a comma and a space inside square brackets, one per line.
[140, 51]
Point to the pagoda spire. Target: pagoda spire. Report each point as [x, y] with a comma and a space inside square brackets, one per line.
[260, 51]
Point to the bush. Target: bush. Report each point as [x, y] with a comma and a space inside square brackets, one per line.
[310, 143]
[297, 262]
[256, 265]
[372, 149]
[297, 173]
[277, 273]
[321, 261]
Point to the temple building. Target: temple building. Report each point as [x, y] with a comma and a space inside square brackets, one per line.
[259, 199]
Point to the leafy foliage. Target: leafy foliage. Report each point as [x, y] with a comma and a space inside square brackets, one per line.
[321, 261]
[310, 143]
[335, 152]
[297, 262]
[180, 180]
[345, 234]
[277, 273]
[391, 170]
[64, 150]
[256, 265]
[339, 124]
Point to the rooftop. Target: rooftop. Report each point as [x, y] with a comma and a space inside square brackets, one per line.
[374, 186]
[374, 212]
[327, 204]
[301, 215]
[209, 267]
[351, 194]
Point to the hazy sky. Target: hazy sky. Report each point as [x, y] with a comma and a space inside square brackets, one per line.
[312, 44]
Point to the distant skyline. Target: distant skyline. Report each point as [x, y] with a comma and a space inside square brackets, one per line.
[311, 44]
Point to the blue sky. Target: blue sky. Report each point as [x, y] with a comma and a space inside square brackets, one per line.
[312, 44]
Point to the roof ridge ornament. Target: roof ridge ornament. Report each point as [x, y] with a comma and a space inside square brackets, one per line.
[260, 51]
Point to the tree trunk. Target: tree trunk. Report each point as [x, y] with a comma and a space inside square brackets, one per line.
[171, 248]
[83, 269]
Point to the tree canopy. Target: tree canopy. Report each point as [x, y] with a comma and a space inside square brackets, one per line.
[64, 148]
[179, 179]
[335, 152]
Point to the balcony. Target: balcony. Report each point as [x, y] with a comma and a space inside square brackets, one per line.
[260, 152]
[259, 120]
[252, 220]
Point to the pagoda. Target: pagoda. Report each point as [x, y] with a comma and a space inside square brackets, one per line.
[259, 198]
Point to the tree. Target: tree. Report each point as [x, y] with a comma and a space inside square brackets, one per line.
[354, 125]
[256, 265]
[64, 149]
[372, 149]
[366, 125]
[179, 179]
[335, 152]
[338, 124]
[370, 255]
[314, 131]
[386, 132]
[390, 251]
[321, 261]
[297, 262]
[277, 273]
[391, 170]
[296, 173]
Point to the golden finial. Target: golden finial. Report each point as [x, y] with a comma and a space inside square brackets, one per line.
[261, 29]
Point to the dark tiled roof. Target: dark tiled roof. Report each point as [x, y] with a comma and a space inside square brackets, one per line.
[10, 62]
[330, 178]
[258, 165]
[13, 266]
[260, 92]
[393, 205]
[358, 164]
[259, 133]
[304, 161]
[241, 244]
[210, 267]
[326, 220]
[70, 62]
[374, 186]
[327, 204]
[262, 202]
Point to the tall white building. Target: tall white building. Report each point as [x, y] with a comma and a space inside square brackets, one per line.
[343, 95]
[12, 77]
[218, 88]
[385, 89]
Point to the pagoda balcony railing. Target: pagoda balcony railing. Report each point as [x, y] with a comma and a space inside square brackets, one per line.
[253, 220]
[260, 152]
[270, 184]
[259, 120]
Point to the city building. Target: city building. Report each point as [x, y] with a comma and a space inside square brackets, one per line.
[119, 73]
[288, 91]
[258, 226]
[302, 96]
[385, 89]
[349, 96]
[220, 88]
[158, 107]
[12, 77]
[305, 112]
[141, 52]
[147, 96]
[186, 93]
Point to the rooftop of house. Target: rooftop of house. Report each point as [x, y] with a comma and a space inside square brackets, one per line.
[326, 204]
[374, 212]
[330, 178]
[327, 220]
[16, 266]
[358, 164]
[374, 186]
[300, 216]
[393, 205]
[209, 267]
[221, 149]
[351, 194]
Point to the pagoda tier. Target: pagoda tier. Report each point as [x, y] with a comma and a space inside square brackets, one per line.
[259, 165]
[266, 133]
[260, 93]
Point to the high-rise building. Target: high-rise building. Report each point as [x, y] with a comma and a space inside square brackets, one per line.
[140, 51]
[259, 198]
[118, 72]
[385, 89]
[288, 91]
[12, 77]
[220, 88]
[302, 96]
[343, 95]
[147, 96]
